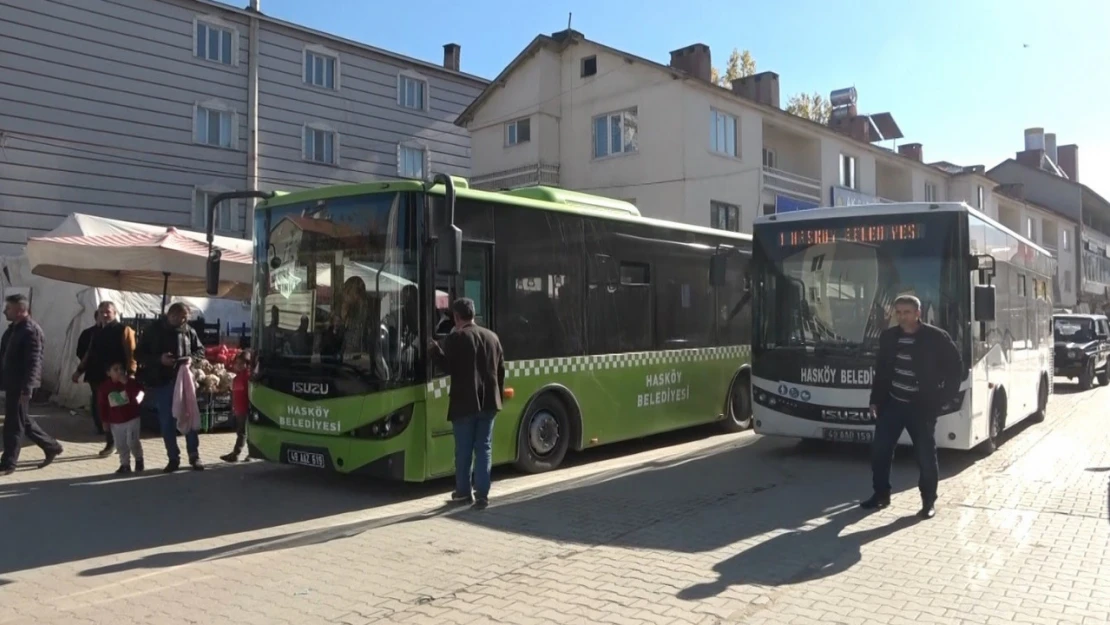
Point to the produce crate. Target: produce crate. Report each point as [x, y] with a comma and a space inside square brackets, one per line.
[215, 411]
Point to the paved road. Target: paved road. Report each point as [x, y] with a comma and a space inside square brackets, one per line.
[693, 528]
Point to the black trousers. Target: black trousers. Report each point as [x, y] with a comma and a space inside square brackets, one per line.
[94, 408]
[17, 423]
[893, 418]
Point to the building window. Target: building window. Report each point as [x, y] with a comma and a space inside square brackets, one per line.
[930, 192]
[412, 92]
[321, 145]
[848, 175]
[321, 68]
[227, 213]
[411, 160]
[214, 124]
[1067, 281]
[519, 131]
[1066, 240]
[770, 160]
[615, 133]
[724, 216]
[215, 42]
[722, 132]
[1030, 229]
[979, 197]
[589, 66]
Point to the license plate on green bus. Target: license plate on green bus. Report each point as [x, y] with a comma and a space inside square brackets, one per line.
[844, 435]
[305, 458]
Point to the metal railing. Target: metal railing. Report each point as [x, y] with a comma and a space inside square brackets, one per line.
[794, 184]
[528, 175]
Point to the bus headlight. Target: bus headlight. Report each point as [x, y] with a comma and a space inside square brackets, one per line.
[387, 427]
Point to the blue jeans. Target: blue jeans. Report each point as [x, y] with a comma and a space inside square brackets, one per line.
[473, 447]
[893, 418]
[163, 400]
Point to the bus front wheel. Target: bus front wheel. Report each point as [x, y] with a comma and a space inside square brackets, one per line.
[544, 435]
[738, 411]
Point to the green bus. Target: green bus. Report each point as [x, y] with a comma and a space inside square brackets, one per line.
[614, 326]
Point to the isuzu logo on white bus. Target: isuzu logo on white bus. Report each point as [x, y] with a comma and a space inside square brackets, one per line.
[310, 388]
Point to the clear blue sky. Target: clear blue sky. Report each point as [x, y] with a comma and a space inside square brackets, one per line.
[956, 75]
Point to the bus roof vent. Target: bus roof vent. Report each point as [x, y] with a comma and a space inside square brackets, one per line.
[574, 198]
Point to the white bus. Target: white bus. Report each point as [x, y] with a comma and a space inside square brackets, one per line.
[824, 281]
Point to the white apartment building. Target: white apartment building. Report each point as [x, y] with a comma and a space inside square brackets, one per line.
[573, 113]
[1043, 226]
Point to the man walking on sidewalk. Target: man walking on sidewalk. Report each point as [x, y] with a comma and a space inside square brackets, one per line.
[916, 373]
[20, 374]
[472, 356]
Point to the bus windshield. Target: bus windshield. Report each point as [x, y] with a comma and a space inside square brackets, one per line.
[336, 287]
[831, 283]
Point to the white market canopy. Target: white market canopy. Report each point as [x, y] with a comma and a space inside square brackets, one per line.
[125, 256]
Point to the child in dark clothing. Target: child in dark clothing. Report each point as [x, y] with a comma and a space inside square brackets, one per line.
[118, 398]
[240, 401]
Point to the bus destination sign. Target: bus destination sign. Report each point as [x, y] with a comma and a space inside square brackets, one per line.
[876, 233]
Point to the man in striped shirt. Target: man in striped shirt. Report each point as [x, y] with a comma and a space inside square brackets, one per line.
[918, 370]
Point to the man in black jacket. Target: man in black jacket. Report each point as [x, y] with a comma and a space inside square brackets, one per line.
[164, 347]
[918, 370]
[472, 356]
[20, 374]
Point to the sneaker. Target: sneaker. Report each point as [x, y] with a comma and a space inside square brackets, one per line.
[927, 511]
[481, 504]
[6, 472]
[462, 498]
[107, 451]
[172, 466]
[140, 466]
[50, 456]
[876, 502]
[232, 457]
[123, 469]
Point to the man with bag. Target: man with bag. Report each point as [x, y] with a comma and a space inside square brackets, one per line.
[169, 344]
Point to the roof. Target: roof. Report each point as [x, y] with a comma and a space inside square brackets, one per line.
[357, 44]
[513, 198]
[1088, 191]
[561, 40]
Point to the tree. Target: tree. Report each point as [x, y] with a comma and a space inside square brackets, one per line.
[740, 65]
[810, 106]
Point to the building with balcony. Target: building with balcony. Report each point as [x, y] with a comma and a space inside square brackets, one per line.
[574, 113]
[139, 109]
[1048, 175]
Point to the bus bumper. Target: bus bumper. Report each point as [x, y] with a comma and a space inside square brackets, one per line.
[342, 454]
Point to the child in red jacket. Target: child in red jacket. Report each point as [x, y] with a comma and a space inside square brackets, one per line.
[240, 401]
[119, 397]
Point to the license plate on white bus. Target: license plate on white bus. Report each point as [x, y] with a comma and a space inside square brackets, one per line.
[305, 458]
[843, 435]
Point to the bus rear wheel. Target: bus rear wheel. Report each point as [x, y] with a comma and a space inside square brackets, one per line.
[738, 411]
[1042, 400]
[544, 435]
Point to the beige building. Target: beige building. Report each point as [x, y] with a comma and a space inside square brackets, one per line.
[570, 112]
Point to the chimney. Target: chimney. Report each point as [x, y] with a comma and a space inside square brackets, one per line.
[1069, 160]
[762, 88]
[694, 60]
[1050, 146]
[1031, 158]
[857, 127]
[912, 150]
[451, 54]
[254, 6]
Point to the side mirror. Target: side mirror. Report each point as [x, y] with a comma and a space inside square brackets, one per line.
[984, 302]
[212, 272]
[449, 251]
[718, 263]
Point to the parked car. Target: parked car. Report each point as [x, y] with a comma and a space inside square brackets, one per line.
[1082, 348]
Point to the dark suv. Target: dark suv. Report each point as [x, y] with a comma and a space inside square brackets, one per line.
[1082, 348]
